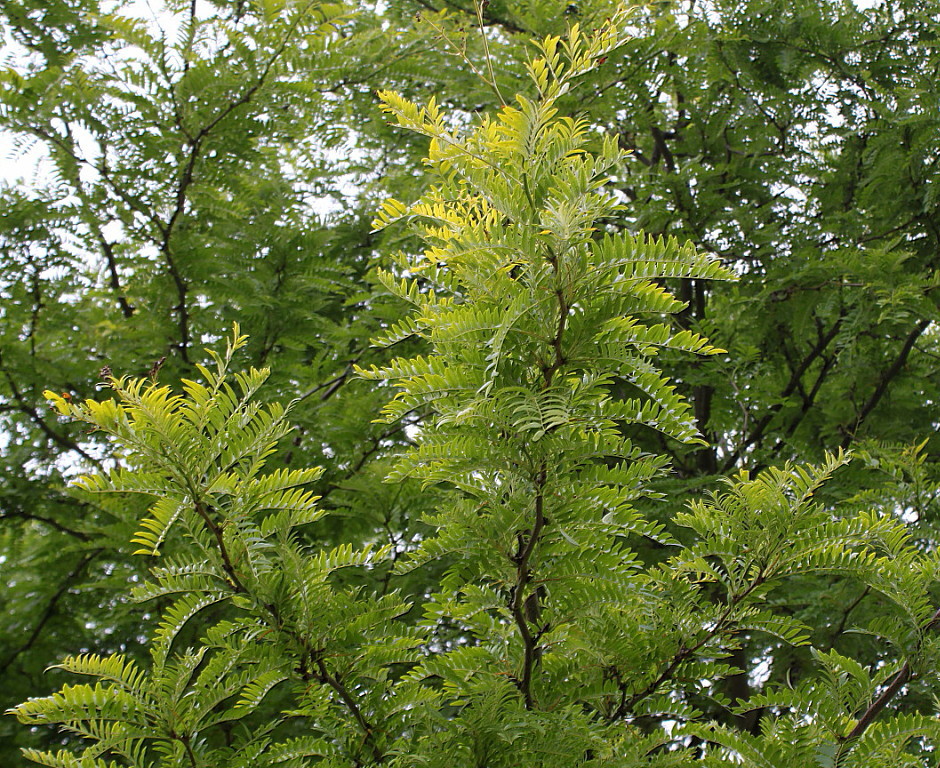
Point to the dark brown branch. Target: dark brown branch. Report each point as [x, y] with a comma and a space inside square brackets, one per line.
[550, 369]
[519, 606]
[49, 611]
[113, 278]
[191, 756]
[904, 675]
[37, 308]
[795, 378]
[808, 399]
[661, 149]
[840, 627]
[101, 169]
[755, 100]
[187, 176]
[24, 406]
[20, 514]
[685, 652]
[182, 289]
[368, 453]
[332, 386]
[228, 566]
[324, 676]
[93, 223]
[884, 381]
[693, 293]
[868, 717]
[488, 16]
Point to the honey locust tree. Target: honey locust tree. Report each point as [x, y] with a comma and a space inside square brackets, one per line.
[201, 165]
[794, 140]
[548, 635]
[798, 141]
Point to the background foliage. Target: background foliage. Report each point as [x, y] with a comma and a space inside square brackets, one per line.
[223, 162]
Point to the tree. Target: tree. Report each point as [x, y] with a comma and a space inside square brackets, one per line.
[163, 150]
[574, 606]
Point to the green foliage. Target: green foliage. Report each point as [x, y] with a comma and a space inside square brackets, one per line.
[602, 539]
[542, 363]
[286, 624]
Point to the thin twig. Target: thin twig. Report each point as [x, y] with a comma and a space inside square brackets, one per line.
[884, 380]
[480, 6]
[18, 513]
[796, 377]
[685, 652]
[47, 614]
[840, 628]
[24, 406]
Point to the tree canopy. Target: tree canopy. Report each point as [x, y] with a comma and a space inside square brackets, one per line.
[497, 384]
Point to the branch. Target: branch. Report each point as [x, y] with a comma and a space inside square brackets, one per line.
[550, 369]
[369, 452]
[480, 7]
[26, 407]
[661, 149]
[791, 386]
[38, 305]
[113, 278]
[234, 581]
[47, 614]
[885, 380]
[904, 675]
[20, 514]
[840, 628]
[185, 741]
[324, 676]
[808, 399]
[188, 174]
[102, 170]
[488, 16]
[519, 605]
[525, 607]
[92, 221]
[331, 386]
[868, 717]
[684, 652]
